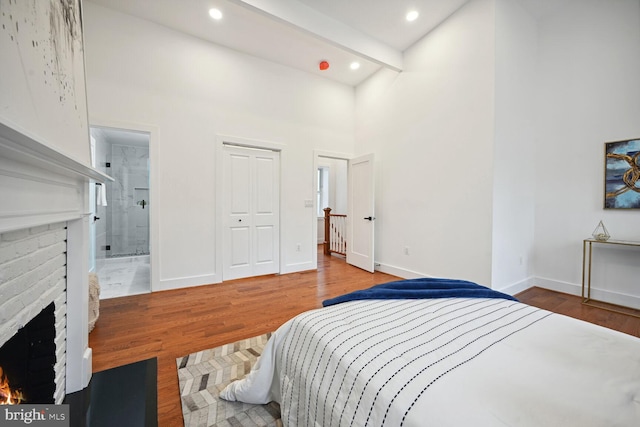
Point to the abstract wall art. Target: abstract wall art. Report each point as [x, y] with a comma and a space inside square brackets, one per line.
[622, 174]
[42, 84]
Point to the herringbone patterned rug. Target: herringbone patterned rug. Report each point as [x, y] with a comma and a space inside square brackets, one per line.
[204, 374]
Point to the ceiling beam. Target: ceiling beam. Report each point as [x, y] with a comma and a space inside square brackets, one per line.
[323, 27]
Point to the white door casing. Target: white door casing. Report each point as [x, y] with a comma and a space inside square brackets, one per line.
[360, 214]
[251, 212]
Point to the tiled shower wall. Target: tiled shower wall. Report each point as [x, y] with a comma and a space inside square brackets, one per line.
[127, 232]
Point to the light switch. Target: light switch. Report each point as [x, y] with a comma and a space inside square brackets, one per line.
[308, 203]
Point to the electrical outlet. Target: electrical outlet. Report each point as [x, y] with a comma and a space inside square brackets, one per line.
[406, 250]
[298, 247]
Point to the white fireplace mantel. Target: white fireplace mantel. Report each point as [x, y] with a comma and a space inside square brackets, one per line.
[16, 143]
[38, 183]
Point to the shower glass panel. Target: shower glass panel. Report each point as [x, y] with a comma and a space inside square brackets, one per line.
[129, 201]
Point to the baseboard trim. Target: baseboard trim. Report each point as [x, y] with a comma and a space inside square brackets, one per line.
[397, 271]
[299, 267]
[409, 274]
[187, 282]
[520, 286]
[557, 285]
[608, 296]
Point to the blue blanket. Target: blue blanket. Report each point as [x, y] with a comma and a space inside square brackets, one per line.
[425, 287]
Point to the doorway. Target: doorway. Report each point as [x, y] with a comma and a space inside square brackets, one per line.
[120, 226]
[331, 189]
[358, 189]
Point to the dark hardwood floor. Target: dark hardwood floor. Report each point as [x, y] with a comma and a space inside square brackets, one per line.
[171, 324]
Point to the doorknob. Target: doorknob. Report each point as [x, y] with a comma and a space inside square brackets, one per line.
[95, 218]
[370, 218]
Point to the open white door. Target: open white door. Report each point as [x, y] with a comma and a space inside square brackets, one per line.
[360, 213]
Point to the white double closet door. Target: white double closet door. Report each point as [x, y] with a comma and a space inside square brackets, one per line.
[251, 212]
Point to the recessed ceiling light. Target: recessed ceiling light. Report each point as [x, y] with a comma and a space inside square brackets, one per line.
[412, 16]
[215, 13]
[354, 65]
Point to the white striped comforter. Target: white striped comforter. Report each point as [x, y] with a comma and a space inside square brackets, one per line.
[445, 362]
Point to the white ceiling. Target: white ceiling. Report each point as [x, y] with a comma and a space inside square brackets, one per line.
[302, 33]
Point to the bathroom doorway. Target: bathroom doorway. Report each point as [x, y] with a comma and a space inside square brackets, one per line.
[120, 227]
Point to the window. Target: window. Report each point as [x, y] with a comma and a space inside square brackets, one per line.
[322, 190]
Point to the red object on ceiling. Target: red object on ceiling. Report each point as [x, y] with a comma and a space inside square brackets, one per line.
[324, 65]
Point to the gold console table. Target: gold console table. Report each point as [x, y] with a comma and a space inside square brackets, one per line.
[587, 250]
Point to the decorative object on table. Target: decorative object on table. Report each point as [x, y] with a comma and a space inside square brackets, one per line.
[600, 233]
[622, 175]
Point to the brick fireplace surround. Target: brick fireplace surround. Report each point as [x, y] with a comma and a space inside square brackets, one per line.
[33, 265]
[44, 201]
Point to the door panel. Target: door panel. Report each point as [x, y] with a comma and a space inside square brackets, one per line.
[240, 184]
[264, 244]
[251, 236]
[265, 185]
[239, 247]
[361, 215]
[238, 233]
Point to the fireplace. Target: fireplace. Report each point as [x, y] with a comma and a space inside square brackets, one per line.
[44, 250]
[28, 362]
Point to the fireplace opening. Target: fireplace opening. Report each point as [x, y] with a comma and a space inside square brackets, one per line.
[28, 359]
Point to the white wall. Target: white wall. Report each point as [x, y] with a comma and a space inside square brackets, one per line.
[431, 128]
[514, 155]
[191, 91]
[589, 94]
[505, 199]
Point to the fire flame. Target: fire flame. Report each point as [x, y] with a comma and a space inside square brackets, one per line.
[8, 396]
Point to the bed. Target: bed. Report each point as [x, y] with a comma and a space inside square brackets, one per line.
[428, 353]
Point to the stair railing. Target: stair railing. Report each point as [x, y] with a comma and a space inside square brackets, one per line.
[335, 233]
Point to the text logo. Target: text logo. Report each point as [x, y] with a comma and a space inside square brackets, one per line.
[35, 415]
